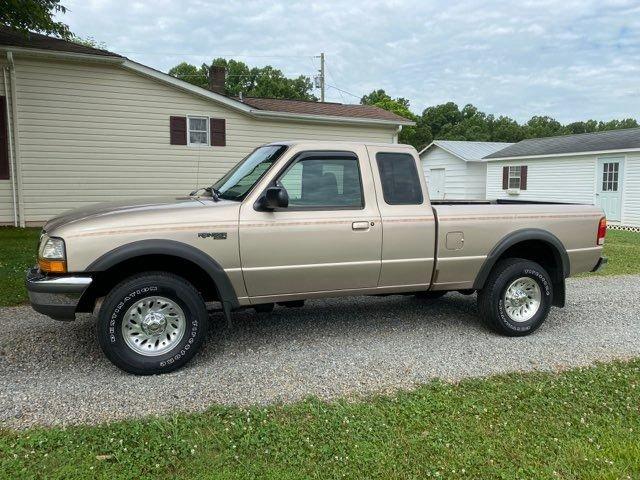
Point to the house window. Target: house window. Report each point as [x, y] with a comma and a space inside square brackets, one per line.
[610, 177]
[515, 177]
[198, 133]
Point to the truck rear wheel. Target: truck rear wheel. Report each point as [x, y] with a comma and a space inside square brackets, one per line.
[516, 298]
[152, 323]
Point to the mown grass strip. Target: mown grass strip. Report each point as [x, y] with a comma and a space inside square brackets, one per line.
[583, 423]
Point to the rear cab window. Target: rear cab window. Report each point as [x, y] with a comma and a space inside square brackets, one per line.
[399, 178]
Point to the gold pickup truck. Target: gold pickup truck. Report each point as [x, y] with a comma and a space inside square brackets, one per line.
[299, 220]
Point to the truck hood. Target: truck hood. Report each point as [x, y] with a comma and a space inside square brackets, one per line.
[104, 212]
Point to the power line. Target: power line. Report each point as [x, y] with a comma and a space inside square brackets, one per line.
[339, 91]
[216, 55]
[344, 91]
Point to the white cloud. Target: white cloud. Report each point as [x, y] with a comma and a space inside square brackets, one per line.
[572, 59]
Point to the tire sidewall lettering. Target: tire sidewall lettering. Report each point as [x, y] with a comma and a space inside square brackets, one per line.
[116, 318]
[545, 288]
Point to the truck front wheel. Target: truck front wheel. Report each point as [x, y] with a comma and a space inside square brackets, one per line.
[516, 298]
[152, 323]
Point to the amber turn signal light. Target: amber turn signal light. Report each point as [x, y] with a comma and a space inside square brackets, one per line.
[52, 266]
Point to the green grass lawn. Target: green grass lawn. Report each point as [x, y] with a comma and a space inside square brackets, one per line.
[18, 252]
[580, 424]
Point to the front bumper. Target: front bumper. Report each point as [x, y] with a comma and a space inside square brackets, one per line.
[56, 297]
[602, 261]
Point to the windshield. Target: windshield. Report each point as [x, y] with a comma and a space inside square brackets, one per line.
[237, 183]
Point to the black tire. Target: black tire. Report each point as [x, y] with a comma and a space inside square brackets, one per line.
[135, 289]
[264, 307]
[491, 304]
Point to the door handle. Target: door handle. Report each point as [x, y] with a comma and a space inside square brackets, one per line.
[360, 225]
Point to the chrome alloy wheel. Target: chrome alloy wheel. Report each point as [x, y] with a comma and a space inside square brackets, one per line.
[522, 299]
[153, 326]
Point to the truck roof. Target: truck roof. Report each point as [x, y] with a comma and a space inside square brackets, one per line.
[344, 144]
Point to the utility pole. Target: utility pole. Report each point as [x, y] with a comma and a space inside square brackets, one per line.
[320, 78]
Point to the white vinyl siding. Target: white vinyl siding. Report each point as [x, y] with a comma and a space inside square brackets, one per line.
[476, 181]
[91, 133]
[6, 195]
[463, 180]
[631, 191]
[565, 179]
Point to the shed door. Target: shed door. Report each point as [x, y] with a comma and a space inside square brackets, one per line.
[437, 183]
[609, 191]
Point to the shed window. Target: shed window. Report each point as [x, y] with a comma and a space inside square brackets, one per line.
[610, 177]
[515, 175]
[198, 131]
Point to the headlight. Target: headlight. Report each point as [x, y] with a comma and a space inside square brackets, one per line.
[51, 255]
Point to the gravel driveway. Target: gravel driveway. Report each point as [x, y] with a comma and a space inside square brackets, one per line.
[53, 373]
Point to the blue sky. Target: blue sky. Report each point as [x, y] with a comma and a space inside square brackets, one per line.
[572, 60]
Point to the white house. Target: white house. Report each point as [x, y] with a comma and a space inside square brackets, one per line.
[80, 125]
[457, 169]
[594, 168]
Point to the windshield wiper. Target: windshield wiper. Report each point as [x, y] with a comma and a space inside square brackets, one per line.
[215, 193]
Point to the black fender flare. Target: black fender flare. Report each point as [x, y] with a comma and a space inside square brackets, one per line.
[175, 249]
[561, 256]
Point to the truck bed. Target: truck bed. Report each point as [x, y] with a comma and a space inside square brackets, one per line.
[499, 201]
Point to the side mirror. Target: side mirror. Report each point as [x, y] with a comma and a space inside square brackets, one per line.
[275, 197]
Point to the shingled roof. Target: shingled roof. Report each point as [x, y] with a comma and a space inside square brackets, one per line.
[625, 139]
[14, 38]
[324, 108]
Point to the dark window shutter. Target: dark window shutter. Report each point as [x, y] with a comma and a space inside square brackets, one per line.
[178, 130]
[505, 178]
[4, 140]
[218, 132]
[523, 177]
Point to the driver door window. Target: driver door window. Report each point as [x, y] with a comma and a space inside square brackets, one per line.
[324, 183]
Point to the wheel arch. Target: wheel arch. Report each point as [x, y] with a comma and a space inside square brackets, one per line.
[176, 257]
[536, 245]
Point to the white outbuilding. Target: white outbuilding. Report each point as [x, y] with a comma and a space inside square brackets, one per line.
[457, 169]
[592, 168]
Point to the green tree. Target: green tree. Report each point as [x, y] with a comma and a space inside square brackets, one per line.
[441, 118]
[617, 124]
[191, 73]
[34, 15]
[544, 126]
[266, 82]
[419, 135]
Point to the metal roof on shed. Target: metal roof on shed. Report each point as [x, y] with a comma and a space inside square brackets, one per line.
[469, 151]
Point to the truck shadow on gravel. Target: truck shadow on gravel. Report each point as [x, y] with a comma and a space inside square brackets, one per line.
[349, 317]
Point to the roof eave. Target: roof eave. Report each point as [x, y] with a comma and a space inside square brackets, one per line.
[328, 118]
[85, 57]
[570, 154]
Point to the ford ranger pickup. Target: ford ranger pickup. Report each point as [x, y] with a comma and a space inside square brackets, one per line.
[300, 220]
